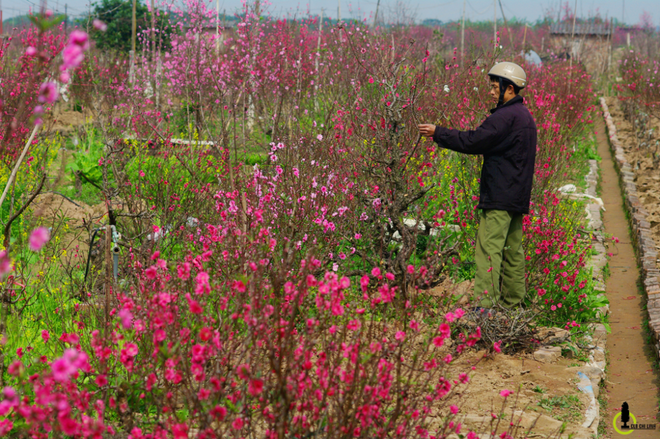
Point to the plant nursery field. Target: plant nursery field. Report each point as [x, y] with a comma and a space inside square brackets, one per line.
[242, 234]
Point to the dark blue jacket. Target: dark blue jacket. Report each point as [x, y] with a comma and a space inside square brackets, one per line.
[507, 140]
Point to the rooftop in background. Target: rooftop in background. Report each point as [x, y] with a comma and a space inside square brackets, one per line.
[580, 29]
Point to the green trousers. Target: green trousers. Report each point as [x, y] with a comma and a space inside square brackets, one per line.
[500, 258]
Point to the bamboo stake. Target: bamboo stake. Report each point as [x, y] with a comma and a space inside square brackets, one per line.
[18, 164]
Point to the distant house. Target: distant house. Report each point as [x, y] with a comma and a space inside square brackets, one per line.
[587, 42]
[209, 28]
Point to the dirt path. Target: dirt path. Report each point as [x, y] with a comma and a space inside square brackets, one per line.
[631, 376]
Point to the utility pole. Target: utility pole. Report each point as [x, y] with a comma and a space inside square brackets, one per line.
[134, 26]
[463, 37]
[573, 35]
[318, 47]
[609, 55]
[338, 10]
[506, 25]
[316, 62]
[376, 15]
[66, 18]
[495, 23]
[153, 54]
[623, 13]
[570, 72]
[133, 34]
[153, 26]
[559, 13]
[217, 28]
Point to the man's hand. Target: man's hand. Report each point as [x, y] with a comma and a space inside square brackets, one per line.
[426, 130]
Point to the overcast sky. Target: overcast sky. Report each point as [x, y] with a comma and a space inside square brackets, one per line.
[444, 10]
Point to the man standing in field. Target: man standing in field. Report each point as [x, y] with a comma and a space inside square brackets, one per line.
[507, 141]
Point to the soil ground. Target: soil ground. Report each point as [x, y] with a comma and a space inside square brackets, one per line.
[546, 393]
[67, 121]
[632, 376]
[645, 160]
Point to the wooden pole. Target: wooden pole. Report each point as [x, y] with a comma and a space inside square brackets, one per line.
[217, 27]
[131, 68]
[376, 14]
[495, 23]
[507, 26]
[153, 52]
[609, 56]
[318, 48]
[623, 13]
[316, 62]
[463, 36]
[573, 32]
[570, 71]
[134, 26]
[18, 164]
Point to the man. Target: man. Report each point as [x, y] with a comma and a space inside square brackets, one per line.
[507, 141]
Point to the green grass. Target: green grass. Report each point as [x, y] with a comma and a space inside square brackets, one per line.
[563, 408]
[606, 271]
[251, 159]
[88, 195]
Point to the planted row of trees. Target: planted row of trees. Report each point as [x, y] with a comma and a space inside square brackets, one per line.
[278, 221]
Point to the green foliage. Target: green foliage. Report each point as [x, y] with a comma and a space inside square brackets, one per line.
[86, 162]
[29, 174]
[172, 170]
[252, 159]
[569, 349]
[17, 226]
[564, 401]
[451, 206]
[606, 271]
[118, 15]
[184, 116]
[43, 23]
[26, 20]
[164, 177]
[88, 194]
[585, 148]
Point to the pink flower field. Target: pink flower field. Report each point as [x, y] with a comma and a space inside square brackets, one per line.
[243, 234]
